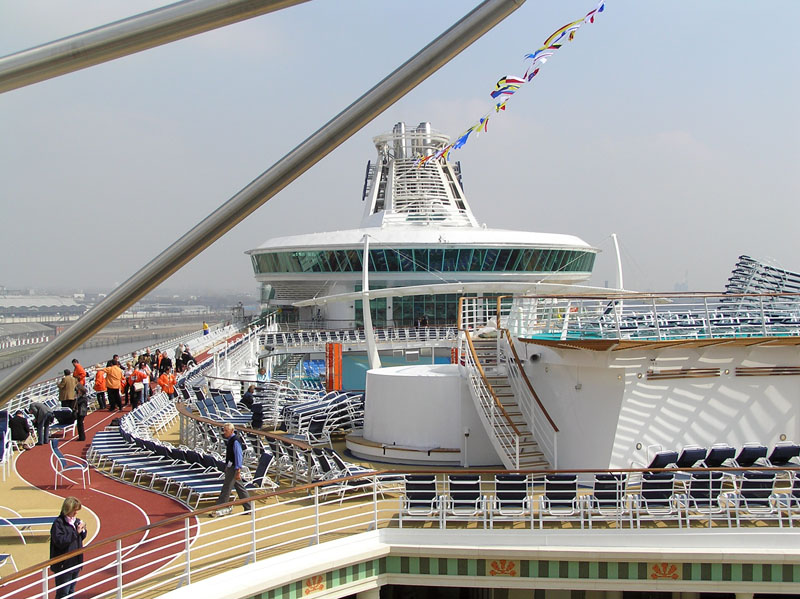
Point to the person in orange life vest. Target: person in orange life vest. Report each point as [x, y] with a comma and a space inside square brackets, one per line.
[79, 372]
[113, 380]
[139, 378]
[167, 382]
[100, 386]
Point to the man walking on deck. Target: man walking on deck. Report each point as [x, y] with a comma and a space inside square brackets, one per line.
[233, 477]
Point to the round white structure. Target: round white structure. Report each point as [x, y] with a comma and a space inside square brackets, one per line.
[422, 414]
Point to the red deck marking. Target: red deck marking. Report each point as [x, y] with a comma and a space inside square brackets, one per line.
[109, 499]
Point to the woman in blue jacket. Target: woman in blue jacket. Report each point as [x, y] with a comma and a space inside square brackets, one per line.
[67, 535]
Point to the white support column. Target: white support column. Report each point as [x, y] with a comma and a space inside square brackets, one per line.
[374, 594]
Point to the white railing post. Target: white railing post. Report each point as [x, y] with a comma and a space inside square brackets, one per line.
[708, 318]
[763, 316]
[316, 515]
[253, 530]
[45, 590]
[375, 502]
[655, 318]
[119, 568]
[555, 451]
[187, 542]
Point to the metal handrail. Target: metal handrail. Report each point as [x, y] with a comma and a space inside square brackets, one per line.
[488, 386]
[285, 519]
[533, 393]
[652, 317]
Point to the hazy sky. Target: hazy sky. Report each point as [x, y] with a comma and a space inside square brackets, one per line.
[673, 124]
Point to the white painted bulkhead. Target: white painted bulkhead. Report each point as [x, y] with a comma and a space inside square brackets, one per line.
[604, 404]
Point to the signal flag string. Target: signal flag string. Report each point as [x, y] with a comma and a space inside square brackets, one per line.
[508, 85]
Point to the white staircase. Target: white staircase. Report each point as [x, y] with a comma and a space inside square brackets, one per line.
[499, 407]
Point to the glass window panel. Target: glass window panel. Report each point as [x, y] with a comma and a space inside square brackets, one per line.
[405, 261]
[392, 261]
[354, 257]
[478, 256]
[435, 259]
[450, 260]
[502, 260]
[464, 259]
[377, 261]
[489, 260]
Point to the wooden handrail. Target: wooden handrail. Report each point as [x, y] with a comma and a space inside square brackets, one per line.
[292, 490]
[527, 381]
[489, 386]
[184, 411]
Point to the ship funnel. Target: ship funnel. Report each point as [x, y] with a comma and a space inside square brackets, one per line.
[422, 141]
[399, 132]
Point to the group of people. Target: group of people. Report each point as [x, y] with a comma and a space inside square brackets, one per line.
[141, 376]
[114, 386]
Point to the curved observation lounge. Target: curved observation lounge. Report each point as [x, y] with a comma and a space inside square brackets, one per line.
[421, 231]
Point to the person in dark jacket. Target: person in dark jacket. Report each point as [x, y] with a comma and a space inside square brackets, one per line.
[233, 477]
[42, 418]
[20, 429]
[81, 409]
[67, 535]
[248, 399]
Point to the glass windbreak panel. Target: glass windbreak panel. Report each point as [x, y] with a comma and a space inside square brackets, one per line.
[435, 258]
[488, 260]
[421, 260]
[464, 259]
[377, 261]
[502, 260]
[450, 260]
[392, 261]
[354, 256]
[404, 257]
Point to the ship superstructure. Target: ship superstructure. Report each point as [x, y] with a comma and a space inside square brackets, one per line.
[421, 231]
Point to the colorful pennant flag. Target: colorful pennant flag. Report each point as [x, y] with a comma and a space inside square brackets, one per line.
[508, 85]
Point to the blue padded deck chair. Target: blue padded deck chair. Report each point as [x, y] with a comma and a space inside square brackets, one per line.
[420, 500]
[463, 499]
[754, 496]
[789, 502]
[260, 478]
[560, 502]
[784, 454]
[511, 499]
[751, 454]
[663, 459]
[656, 499]
[691, 456]
[703, 497]
[608, 499]
[62, 463]
[718, 455]
[22, 524]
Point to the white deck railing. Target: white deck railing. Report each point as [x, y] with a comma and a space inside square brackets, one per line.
[392, 337]
[176, 552]
[656, 317]
[503, 433]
